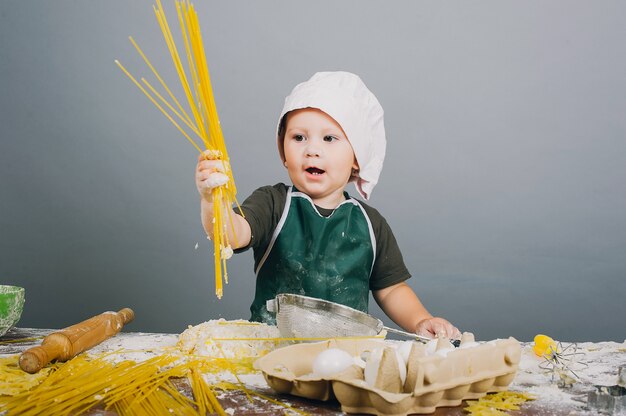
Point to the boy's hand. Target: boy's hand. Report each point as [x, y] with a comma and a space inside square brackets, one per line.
[210, 173]
[433, 327]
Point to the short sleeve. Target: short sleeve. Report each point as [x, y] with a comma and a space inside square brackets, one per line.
[262, 210]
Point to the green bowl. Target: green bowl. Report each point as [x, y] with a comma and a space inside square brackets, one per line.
[11, 306]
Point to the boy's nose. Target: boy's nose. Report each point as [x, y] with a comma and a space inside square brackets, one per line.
[312, 151]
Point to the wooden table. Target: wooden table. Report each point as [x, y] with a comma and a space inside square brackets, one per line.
[526, 380]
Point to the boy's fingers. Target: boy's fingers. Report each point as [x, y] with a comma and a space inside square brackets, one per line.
[212, 166]
[203, 176]
[448, 330]
[452, 332]
[426, 328]
[204, 156]
[204, 164]
[215, 179]
[439, 329]
[209, 155]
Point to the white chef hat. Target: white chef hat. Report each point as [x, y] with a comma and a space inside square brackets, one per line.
[344, 97]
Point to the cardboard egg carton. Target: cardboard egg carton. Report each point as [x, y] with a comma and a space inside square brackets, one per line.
[432, 379]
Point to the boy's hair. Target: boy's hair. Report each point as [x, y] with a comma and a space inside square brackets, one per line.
[282, 125]
[345, 98]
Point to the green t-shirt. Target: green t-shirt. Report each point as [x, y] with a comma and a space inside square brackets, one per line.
[265, 206]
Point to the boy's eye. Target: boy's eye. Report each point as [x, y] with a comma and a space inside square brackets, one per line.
[329, 138]
[298, 137]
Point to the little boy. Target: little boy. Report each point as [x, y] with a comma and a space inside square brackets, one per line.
[312, 238]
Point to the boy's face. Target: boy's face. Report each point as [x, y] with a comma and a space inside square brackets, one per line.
[318, 156]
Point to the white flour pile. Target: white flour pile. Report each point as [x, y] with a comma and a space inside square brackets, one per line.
[229, 339]
[136, 346]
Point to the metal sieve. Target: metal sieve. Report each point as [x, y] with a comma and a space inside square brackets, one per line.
[300, 316]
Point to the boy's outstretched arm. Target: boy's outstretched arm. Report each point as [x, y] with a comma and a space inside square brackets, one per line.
[209, 175]
[402, 305]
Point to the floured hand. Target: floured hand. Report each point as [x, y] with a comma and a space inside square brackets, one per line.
[434, 327]
[210, 173]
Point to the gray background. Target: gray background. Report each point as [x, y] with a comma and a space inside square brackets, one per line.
[504, 177]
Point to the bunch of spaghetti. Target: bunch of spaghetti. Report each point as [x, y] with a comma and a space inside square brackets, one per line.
[156, 386]
[128, 388]
[203, 122]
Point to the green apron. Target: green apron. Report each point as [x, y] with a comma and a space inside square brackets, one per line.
[329, 258]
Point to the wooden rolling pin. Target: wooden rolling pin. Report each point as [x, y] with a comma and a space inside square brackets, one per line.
[68, 342]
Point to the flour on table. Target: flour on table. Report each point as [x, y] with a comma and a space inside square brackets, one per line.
[136, 346]
[593, 363]
[220, 338]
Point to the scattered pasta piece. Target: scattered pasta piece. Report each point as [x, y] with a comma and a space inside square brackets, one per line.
[13, 380]
[497, 404]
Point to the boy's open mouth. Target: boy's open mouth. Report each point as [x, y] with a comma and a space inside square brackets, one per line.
[315, 171]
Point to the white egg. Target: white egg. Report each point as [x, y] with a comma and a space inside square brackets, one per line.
[405, 350]
[331, 361]
[371, 366]
[359, 362]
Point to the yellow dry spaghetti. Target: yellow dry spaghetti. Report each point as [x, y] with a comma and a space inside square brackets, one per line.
[150, 387]
[205, 397]
[278, 340]
[13, 380]
[203, 122]
[497, 404]
[20, 340]
[249, 393]
[128, 388]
